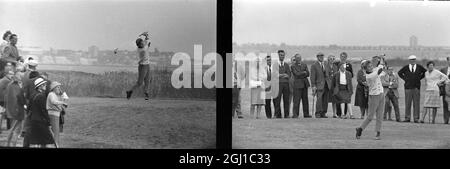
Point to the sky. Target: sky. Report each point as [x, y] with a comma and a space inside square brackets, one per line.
[173, 25]
[341, 22]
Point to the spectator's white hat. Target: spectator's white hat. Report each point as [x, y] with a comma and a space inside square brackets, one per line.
[38, 82]
[412, 57]
[33, 62]
[54, 84]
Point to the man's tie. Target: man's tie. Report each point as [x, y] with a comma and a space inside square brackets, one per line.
[269, 74]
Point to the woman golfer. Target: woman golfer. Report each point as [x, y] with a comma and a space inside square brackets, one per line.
[373, 72]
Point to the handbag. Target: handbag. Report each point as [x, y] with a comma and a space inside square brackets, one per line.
[441, 89]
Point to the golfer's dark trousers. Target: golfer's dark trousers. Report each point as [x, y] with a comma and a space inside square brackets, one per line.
[390, 98]
[300, 95]
[283, 93]
[412, 96]
[446, 112]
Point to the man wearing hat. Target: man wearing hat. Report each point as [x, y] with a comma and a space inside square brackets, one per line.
[3, 84]
[412, 74]
[319, 85]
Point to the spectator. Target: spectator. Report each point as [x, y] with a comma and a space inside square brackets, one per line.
[55, 105]
[319, 86]
[238, 75]
[257, 75]
[268, 85]
[14, 102]
[10, 52]
[432, 100]
[301, 84]
[446, 71]
[390, 85]
[39, 130]
[348, 67]
[3, 85]
[412, 74]
[332, 69]
[361, 93]
[283, 87]
[342, 86]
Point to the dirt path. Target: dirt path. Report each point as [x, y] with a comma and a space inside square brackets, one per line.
[136, 123]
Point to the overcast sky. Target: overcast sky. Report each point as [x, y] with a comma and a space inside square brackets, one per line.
[342, 23]
[174, 25]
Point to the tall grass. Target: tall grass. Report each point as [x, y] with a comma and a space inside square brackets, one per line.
[114, 84]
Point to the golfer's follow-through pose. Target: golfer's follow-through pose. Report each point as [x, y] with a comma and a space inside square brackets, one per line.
[143, 45]
[376, 98]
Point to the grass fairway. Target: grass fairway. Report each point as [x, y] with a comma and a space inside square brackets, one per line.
[136, 123]
[334, 133]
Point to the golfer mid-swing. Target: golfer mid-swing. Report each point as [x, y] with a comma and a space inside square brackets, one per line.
[142, 44]
[373, 72]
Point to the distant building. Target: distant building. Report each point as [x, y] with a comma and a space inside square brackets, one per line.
[413, 42]
[93, 51]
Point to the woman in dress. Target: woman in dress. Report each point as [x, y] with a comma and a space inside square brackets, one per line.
[257, 76]
[342, 87]
[432, 98]
[362, 91]
[39, 132]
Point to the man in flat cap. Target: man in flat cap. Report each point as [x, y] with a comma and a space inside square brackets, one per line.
[319, 85]
[412, 74]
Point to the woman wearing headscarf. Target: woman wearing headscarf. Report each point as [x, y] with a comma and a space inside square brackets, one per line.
[39, 132]
[14, 102]
[55, 104]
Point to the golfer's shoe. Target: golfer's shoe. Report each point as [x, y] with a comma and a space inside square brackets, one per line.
[129, 94]
[358, 132]
[377, 138]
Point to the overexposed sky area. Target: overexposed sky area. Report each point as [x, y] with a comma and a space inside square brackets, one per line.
[341, 22]
[174, 25]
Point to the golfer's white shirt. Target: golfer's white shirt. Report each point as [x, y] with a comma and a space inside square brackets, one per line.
[374, 81]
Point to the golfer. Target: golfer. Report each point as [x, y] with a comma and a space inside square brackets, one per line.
[376, 97]
[143, 45]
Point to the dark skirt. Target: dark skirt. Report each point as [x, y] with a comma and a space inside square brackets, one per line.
[361, 97]
[344, 95]
[39, 133]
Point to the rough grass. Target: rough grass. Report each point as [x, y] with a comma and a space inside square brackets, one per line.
[114, 84]
[136, 123]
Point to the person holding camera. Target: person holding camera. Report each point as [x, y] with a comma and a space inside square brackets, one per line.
[143, 44]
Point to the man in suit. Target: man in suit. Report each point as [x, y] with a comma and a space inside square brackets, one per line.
[446, 70]
[412, 74]
[238, 75]
[283, 87]
[348, 67]
[390, 85]
[319, 86]
[301, 84]
[269, 99]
